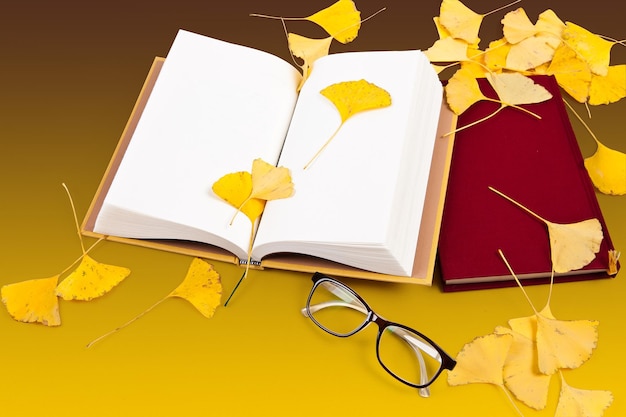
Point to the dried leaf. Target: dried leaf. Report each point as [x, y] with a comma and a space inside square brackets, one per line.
[496, 54]
[514, 89]
[608, 88]
[460, 21]
[202, 287]
[574, 245]
[607, 170]
[270, 182]
[462, 91]
[549, 23]
[574, 402]
[591, 48]
[235, 189]
[531, 52]
[33, 301]
[521, 371]
[571, 72]
[516, 26]
[447, 50]
[91, 279]
[481, 360]
[350, 98]
[309, 50]
[340, 20]
[564, 344]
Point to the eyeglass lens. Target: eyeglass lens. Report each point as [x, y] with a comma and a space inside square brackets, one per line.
[402, 351]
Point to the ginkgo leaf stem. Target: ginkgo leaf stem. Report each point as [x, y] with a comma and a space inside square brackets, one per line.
[137, 317]
[508, 395]
[474, 123]
[69, 196]
[580, 119]
[529, 211]
[237, 285]
[323, 147]
[501, 8]
[506, 262]
[85, 252]
[245, 273]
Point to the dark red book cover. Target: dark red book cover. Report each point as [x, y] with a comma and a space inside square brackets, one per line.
[538, 163]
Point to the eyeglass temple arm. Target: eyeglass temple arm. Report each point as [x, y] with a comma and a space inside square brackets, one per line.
[417, 346]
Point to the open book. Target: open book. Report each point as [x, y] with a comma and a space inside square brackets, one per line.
[212, 107]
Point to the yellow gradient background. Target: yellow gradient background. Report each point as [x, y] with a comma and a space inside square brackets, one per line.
[69, 75]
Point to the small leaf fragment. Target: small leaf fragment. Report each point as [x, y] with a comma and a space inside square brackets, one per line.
[33, 301]
[91, 279]
[202, 287]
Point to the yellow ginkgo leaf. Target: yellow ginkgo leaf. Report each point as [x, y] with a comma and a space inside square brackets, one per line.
[91, 279]
[607, 170]
[574, 402]
[447, 50]
[564, 344]
[549, 23]
[341, 20]
[460, 21]
[475, 62]
[482, 360]
[571, 72]
[350, 98]
[33, 301]
[516, 26]
[309, 50]
[462, 91]
[514, 89]
[270, 182]
[591, 48]
[496, 53]
[531, 52]
[574, 245]
[521, 371]
[608, 88]
[235, 189]
[202, 287]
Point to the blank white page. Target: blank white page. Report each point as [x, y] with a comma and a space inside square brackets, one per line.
[346, 196]
[215, 107]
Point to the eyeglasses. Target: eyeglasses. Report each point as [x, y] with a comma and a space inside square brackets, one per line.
[404, 353]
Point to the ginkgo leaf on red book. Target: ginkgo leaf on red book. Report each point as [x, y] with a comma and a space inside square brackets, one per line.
[202, 287]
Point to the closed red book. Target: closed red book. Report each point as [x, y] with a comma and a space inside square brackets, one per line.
[538, 163]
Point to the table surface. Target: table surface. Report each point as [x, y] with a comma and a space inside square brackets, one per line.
[69, 75]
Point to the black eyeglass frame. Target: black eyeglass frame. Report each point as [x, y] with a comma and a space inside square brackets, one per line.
[447, 362]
